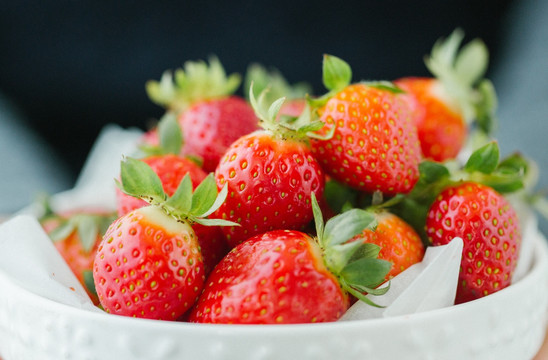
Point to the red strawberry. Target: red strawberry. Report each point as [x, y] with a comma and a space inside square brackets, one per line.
[210, 116]
[171, 169]
[399, 243]
[448, 103]
[374, 146]
[211, 126]
[285, 276]
[149, 262]
[76, 236]
[490, 229]
[270, 175]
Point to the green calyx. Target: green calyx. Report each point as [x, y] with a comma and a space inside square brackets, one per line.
[88, 226]
[140, 181]
[275, 82]
[170, 137]
[354, 263]
[300, 128]
[461, 73]
[337, 74]
[197, 81]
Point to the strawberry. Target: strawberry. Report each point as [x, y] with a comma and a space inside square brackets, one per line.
[447, 103]
[210, 115]
[171, 168]
[285, 276]
[374, 146]
[490, 229]
[468, 202]
[270, 175]
[149, 262]
[399, 243]
[77, 235]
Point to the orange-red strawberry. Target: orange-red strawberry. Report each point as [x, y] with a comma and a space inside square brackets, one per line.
[490, 229]
[149, 262]
[399, 243]
[441, 127]
[270, 175]
[202, 99]
[77, 235]
[375, 145]
[285, 276]
[447, 103]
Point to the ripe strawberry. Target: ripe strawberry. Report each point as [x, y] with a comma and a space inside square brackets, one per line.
[171, 169]
[270, 175]
[447, 103]
[77, 235]
[399, 243]
[285, 276]
[149, 262]
[210, 116]
[374, 146]
[490, 229]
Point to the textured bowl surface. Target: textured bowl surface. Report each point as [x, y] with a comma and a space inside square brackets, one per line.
[509, 324]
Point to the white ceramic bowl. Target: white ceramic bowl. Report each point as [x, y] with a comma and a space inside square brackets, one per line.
[509, 324]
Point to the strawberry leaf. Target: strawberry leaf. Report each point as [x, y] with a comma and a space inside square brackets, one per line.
[196, 82]
[89, 283]
[431, 172]
[274, 81]
[366, 272]
[359, 295]
[139, 180]
[337, 195]
[484, 160]
[471, 62]
[215, 222]
[318, 218]
[180, 202]
[219, 200]
[338, 256]
[386, 86]
[171, 136]
[88, 231]
[337, 74]
[62, 231]
[366, 250]
[204, 196]
[345, 226]
[486, 107]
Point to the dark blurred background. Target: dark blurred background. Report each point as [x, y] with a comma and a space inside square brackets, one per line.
[68, 68]
[74, 66]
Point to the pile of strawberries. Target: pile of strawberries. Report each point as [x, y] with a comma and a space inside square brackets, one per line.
[283, 207]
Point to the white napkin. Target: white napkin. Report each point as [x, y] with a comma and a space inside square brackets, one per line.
[29, 258]
[428, 285]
